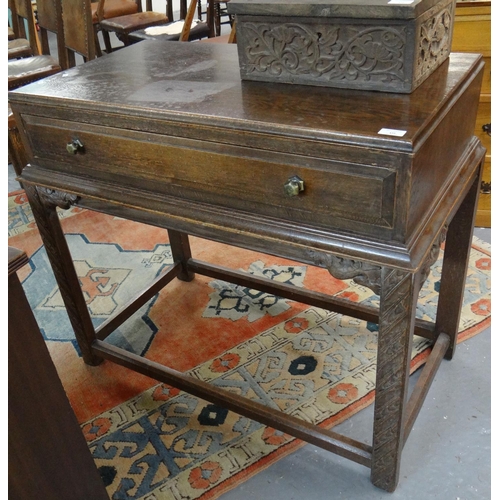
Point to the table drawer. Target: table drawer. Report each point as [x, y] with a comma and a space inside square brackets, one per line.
[236, 177]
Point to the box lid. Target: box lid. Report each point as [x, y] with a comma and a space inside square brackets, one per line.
[366, 9]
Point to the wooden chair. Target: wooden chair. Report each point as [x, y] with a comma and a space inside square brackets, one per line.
[121, 26]
[29, 69]
[220, 11]
[79, 34]
[109, 9]
[23, 24]
[49, 18]
[182, 30]
[18, 46]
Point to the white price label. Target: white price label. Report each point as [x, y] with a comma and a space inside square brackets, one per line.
[392, 131]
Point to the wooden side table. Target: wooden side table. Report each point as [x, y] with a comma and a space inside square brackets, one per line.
[365, 184]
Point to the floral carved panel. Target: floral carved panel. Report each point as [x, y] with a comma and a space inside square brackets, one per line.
[330, 53]
[434, 42]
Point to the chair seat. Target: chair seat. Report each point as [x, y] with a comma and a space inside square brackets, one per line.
[20, 47]
[126, 24]
[114, 8]
[23, 71]
[200, 30]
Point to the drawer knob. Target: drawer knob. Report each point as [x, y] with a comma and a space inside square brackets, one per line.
[74, 146]
[487, 128]
[294, 186]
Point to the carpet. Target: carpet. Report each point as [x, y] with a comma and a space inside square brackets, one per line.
[152, 441]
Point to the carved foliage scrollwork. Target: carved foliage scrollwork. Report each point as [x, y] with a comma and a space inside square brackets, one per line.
[57, 198]
[334, 52]
[434, 41]
[362, 273]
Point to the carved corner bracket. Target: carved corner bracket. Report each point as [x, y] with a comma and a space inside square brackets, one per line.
[57, 198]
[432, 256]
[362, 273]
[370, 275]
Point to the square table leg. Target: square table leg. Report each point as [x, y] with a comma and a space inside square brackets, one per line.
[43, 204]
[398, 300]
[181, 252]
[455, 265]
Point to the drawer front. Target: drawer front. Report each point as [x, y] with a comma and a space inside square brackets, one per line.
[472, 33]
[348, 195]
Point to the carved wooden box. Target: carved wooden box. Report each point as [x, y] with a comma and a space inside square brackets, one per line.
[386, 45]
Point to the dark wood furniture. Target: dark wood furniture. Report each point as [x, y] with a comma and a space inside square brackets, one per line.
[472, 33]
[19, 45]
[48, 455]
[201, 30]
[364, 184]
[33, 68]
[108, 9]
[122, 25]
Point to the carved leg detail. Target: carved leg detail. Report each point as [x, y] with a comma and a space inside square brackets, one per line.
[43, 204]
[455, 265]
[399, 294]
[181, 252]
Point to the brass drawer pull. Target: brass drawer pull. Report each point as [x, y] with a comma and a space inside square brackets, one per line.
[74, 146]
[294, 186]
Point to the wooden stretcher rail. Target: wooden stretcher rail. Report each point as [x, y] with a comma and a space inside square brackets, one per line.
[330, 441]
[422, 328]
[424, 382]
[138, 301]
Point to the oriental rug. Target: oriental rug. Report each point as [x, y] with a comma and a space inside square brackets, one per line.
[151, 441]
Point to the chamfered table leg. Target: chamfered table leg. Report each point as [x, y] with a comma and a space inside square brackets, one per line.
[455, 265]
[398, 299]
[181, 252]
[43, 204]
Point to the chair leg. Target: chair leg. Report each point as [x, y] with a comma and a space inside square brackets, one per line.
[97, 43]
[107, 41]
[217, 18]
